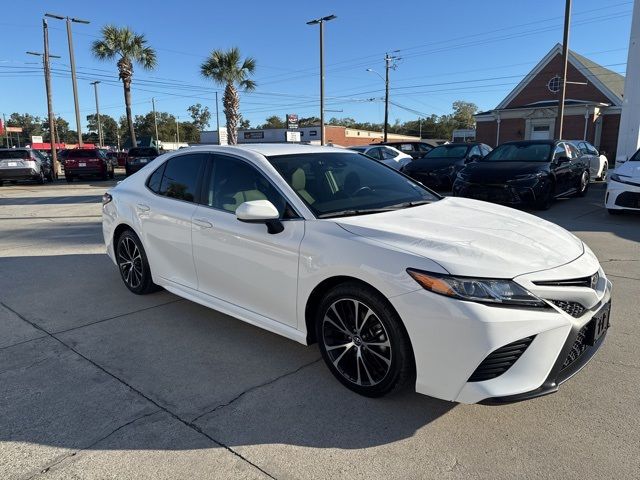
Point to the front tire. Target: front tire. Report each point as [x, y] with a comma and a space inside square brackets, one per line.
[363, 341]
[603, 174]
[133, 264]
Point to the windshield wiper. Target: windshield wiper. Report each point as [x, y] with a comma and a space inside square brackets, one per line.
[351, 213]
[390, 208]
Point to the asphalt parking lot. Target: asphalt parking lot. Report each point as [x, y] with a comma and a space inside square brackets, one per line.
[98, 383]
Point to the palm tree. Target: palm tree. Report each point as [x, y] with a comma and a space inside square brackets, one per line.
[226, 68]
[129, 48]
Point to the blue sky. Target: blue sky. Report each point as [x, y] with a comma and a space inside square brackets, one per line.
[475, 51]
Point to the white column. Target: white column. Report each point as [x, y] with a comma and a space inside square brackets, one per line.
[629, 134]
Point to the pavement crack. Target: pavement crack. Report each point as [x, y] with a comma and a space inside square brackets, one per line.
[253, 388]
[119, 316]
[177, 417]
[93, 444]
[22, 342]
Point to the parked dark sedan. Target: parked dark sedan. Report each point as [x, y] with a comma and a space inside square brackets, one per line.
[82, 162]
[528, 173]
[138, 157]
[415, 149]
[439, 167]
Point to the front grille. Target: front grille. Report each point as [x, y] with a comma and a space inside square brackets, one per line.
[574, 309]
[500, 360]
[574, 282]
[628, 199]
[490, 193]
[578, 348]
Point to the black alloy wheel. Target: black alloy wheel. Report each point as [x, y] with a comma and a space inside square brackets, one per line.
[133, 264]
[363, 341]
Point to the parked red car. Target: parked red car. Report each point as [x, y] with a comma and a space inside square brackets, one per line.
[83, 162]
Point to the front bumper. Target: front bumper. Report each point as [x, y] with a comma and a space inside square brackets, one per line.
[622, 196]
[452, 338]
[512, 194]
[84, 171]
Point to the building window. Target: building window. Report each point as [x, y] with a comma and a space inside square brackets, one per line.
[554, 84]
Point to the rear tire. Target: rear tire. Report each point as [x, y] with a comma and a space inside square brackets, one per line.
[583, 184]
[41, 179]
[363, 341]
[111, 174]
[69, 178]
[603, 174]
[133, 264]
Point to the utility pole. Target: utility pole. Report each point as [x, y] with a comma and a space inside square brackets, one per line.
[6, 132]
[118, 135]
[177, 132]
[387, 63]
[72, 62]
[565, 62]
[155, 121]
[321, 22]
[100, 138]
[47, 85]
[420, 122]
[217, 119]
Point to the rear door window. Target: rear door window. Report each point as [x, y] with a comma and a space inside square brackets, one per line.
[181, 177]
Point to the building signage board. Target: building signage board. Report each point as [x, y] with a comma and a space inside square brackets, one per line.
[293, 136]
[253, 135]
[14, 129]
[36, 139]
[292, 121]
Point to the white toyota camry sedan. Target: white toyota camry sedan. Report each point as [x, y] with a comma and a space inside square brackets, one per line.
[460, 299]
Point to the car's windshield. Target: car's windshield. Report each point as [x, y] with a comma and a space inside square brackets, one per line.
[14, 154]
[520, 152]
[347, 183]
[83, 154]
[448, 151]
[143, 152]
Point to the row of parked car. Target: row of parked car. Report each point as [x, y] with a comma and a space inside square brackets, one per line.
[19, 164]
[527, 173]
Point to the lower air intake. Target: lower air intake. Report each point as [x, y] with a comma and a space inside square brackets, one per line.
[500, 360]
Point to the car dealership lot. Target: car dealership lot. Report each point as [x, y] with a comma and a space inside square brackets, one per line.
[96, 382]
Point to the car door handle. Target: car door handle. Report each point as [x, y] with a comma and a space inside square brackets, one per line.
[202, 223]
[142, 207]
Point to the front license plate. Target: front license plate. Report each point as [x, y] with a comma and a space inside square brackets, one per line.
[12, 164]
[82, 164]
[599, 324]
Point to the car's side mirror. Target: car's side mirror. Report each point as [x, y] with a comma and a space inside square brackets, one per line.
[260, 211]
[562, 160]
[473, 158]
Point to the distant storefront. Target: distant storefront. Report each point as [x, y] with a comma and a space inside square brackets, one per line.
[336, 135]
[592, 108]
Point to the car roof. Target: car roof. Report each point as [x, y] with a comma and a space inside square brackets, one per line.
[270, 149]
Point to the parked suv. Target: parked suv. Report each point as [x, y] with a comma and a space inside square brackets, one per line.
[138, 157]
[82, 162]
[415, 149]
[24, 164]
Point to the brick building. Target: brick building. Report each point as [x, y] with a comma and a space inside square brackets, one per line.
[334, 134]
[592, 108]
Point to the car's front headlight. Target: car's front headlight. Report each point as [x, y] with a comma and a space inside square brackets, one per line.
[483, 290]
[528, 176]
[622, 179]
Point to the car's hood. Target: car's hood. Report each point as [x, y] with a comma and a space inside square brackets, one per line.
[499, 172]
[471, 238]
[430, 164]
[629, 169]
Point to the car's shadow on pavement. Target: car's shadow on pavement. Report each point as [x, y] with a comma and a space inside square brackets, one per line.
[85, 364]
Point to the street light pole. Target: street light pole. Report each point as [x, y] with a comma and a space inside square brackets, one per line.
[72, 62]
[565, 61]
[177, 132]
[100, 137]
[321, 22]
[218, 119]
